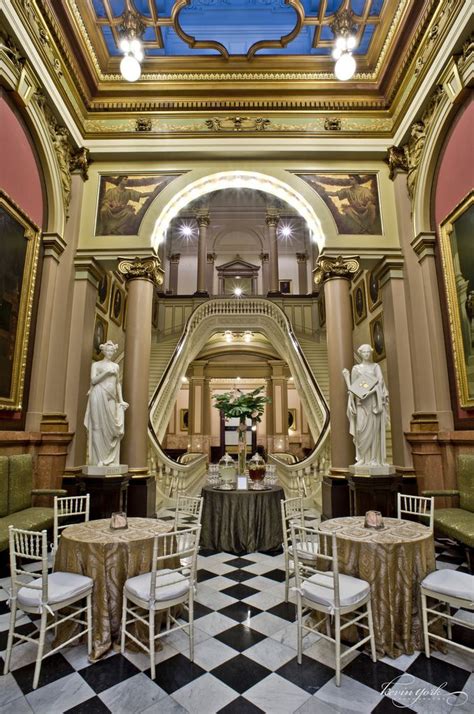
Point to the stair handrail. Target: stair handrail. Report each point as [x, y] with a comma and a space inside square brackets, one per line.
[169, 384]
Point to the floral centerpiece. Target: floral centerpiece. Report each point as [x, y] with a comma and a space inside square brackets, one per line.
[243, 406]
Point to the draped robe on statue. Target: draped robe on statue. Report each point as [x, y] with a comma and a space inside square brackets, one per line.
[367, 427]
[104, 418]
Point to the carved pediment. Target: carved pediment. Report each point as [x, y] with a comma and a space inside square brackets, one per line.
[238, 266]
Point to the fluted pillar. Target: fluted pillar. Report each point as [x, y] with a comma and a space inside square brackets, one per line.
[264, 257]
[302, 260]
[336, 275]
[271, 220]
[202, 218]
[142, 275]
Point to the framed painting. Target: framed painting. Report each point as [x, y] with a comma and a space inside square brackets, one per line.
[183, 419]
[353, 200]
[100, 336]
[124, 199]
[377, 338]
[103, 292]
[19, 250]
[373, 290]
[359, 303]
[322, 309]
[457, 254]
[285, 287]
[117, 304]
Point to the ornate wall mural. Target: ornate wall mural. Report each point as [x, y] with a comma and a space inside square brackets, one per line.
[124, 200]
[353, 200]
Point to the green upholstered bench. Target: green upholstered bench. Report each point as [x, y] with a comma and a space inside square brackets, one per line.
[16, 492]
[458, 523]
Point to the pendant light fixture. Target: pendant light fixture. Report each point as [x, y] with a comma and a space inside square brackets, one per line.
[344, 31]
[131, 31]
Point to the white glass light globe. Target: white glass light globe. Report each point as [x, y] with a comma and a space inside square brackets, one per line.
[351, 42]
[341, 43]
[345, 67]
[135, 46]
[130, 68]
[124, 44]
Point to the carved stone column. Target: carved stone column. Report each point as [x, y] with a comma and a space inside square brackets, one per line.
[272, 218]
[264, 257]
[174, 267]
[399, 367]
[302, 260]
[210, 273]
[336, 274]
[199, 400]
[279, 397]
[142, 276]
[203, 221]
[46, 406]
[80, 355]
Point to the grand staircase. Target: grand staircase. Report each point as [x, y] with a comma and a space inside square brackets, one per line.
[161, 353]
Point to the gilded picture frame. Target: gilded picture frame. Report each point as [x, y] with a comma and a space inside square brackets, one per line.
[117, 304]
[18, 268]
[377, 338]
[374, 295]
[101, 327]
[457, 255]
[359, 302]
[183, 419]
[284, 287]
[103, 292]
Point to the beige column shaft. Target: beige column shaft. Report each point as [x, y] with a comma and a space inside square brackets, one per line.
[174, 268]
[199, 410]
[210, 273]
[142, 276]
[399, 367]
[272, 219]
[80, 356]
[206, 407]
[264, 257]
[430, 374]
[280, 405]
[302, 260]
[203, 221]
[46, 403]
[336, 274]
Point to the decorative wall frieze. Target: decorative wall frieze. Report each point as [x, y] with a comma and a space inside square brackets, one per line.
[407, 157]
[148, 268]
[339, 267]
[69, 158]
[333, 124]
[8, 46]
[467, 51]
[143, 125]
[238, 123]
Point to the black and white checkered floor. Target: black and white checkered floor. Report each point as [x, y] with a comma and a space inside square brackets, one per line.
[245, 660]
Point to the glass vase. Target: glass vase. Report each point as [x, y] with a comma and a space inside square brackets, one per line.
[242, 446]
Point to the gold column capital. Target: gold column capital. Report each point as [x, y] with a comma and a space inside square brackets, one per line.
[148, 268]
[202, 217]
[272, 217]
[341, 267]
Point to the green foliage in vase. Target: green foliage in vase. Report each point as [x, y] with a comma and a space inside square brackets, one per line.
[243, 406]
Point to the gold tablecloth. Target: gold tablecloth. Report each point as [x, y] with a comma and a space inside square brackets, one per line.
[109, 557]
[394, 561]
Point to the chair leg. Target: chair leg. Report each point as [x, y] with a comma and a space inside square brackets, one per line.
[337, 638]
[328, 625]
[299, 629]
[448, 622]
[371, 631]
[11, 631]
[39, 656]
[124, 621]
[191, 626]
[287, 577]
[89, 624]
[151, 642]
[424, 616]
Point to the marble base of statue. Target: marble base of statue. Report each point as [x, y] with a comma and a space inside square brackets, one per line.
[108, 488]
[367, 470]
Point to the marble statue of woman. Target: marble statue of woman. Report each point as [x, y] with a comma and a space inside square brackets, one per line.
[367, 409]
[104, 418]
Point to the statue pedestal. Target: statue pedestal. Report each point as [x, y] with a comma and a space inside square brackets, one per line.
[108, 488]
[374, 493]
[365, 470]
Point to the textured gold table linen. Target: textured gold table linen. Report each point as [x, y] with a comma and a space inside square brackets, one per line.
[394, 561]
[109, 557]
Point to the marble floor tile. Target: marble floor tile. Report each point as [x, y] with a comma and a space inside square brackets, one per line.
[60, 695]
[277, 695]
[213, 598]
[204, 694]
[262, 600]
[270, 654]
[266, 623]
[9, 689]
[421, 696]
[212, 653]
[214, 623]
[133, 696]
[349, 698]
[324, 651]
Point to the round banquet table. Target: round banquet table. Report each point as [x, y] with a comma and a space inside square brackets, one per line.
[242, 521]
[394, 561]
[109, 557]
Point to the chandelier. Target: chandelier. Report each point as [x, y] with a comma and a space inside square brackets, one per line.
[344, 31]
[131, 31]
